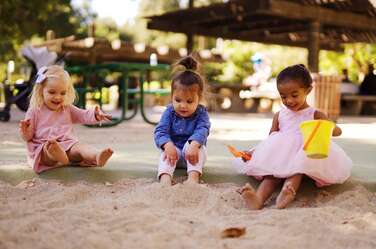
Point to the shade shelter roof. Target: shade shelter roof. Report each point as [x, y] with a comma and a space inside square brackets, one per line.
[94, 50]
[314, 24]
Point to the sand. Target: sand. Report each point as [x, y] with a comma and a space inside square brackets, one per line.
[70, 208]
[140, 213]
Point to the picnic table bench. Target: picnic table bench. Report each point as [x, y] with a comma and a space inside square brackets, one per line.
[357, 103]
[240, 97]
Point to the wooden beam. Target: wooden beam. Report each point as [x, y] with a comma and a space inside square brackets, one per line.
[245, 36]
[214, 12]
[297, 11]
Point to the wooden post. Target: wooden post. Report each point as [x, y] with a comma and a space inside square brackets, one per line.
[92, 50]
[91, 30]
[314, 46]
[189, 43]
[50, 35]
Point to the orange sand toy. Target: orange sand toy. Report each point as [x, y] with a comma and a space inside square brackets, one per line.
[237, 153]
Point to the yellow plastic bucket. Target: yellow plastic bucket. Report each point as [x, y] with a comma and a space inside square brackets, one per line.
[316, 135]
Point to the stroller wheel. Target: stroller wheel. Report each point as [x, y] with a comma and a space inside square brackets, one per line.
[4, 116]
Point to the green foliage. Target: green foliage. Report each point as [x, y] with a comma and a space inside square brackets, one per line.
[238, 65]
[137, 31]
[20, 20]
[355, 58]
[25, 20]
[106, 28]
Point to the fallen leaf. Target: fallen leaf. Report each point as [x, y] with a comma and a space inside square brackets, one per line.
[233, 232]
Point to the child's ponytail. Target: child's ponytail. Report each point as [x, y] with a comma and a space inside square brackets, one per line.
[185, 72]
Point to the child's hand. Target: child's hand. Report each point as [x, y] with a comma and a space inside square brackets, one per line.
[247, 158]
[100, 116]
[171, 155]
[26, 129]
[192, 152]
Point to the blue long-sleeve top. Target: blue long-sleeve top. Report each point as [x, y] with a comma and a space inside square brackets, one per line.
[179, 130]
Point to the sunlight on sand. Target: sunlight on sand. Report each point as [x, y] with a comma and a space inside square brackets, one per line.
[359, 131]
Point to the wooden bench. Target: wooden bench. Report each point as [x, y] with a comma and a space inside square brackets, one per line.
[250, 102]
[357, 103]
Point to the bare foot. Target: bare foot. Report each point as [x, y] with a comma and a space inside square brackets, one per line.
[165, 179]
[250, 197]
[193, 177]
[103, 156]
[56, 153]
[286, 196]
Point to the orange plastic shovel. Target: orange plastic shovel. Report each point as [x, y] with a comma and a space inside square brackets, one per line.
[237, 153]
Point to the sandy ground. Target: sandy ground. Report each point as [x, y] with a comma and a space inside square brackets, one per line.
[122, 206]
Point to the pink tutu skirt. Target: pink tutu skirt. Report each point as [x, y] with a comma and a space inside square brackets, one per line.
[281, 155]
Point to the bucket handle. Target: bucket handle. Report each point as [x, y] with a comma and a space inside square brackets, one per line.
[311, 135]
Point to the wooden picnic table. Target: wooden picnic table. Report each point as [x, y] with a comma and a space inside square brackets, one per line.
[127, 94]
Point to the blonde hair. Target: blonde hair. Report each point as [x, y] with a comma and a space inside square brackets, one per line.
[53, 72]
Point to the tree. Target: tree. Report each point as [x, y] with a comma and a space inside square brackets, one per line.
[20, 20]
[355, 58]
[139, 33]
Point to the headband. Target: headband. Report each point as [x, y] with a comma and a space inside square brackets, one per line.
[41, 75]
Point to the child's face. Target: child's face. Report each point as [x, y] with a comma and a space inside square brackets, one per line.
[293, 94]
[185, 99]
[54, 93]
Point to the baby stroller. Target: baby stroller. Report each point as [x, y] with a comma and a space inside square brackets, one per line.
[18, 94]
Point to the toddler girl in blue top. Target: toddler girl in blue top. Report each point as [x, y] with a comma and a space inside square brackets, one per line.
[182, 132]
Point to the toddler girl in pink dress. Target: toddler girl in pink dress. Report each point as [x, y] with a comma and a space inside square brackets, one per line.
[48, 125]
[280, 157]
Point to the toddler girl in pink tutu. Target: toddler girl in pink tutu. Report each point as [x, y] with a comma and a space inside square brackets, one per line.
[48, 125]
[280, 157]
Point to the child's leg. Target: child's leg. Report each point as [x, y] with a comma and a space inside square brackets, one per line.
[195, 171]
[80, 152]
[255, 199]
[288, 192]
[165, 170]
[53, 153]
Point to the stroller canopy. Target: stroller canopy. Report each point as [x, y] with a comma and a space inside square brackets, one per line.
[40, 56]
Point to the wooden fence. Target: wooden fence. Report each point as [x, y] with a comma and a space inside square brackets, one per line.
[326, 95]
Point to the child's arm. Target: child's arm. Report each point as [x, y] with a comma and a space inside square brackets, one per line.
[275, 124]
[26, 130]
[320, 115]
[162, 130]
[171, 154]
[100, 116]
[198, 138]
[82, 116]
[26, 126]
[163, 140]
[201, 131]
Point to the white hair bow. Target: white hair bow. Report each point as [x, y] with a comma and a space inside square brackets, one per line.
[41, 75]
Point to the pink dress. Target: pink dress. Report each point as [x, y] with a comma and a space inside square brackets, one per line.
[48, 124]
[281, 154]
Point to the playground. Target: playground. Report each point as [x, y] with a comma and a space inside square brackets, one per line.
[122, 205]
[234, 53]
